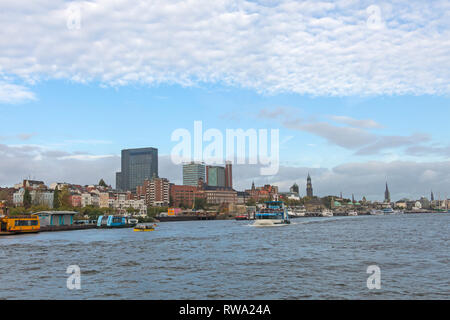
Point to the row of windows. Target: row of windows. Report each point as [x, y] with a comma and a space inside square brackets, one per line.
[24, 223]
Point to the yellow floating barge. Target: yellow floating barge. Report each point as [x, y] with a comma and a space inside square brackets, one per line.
[19, 224]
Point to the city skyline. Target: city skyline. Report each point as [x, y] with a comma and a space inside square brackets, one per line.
[355, 103]
[307, 184]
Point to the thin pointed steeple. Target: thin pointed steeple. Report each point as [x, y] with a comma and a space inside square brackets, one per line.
[387, 194]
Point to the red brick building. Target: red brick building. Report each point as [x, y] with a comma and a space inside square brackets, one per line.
[184, 195]
[268, 192]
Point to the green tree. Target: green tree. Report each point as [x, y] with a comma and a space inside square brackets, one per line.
[131, 210]
[64, 198]
[154, 211]
[27, 199]
[56, 203]
[4, 195]
[199, 203]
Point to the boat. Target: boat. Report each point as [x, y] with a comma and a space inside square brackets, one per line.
[376, 212]
[143, 227]
[19, 224]
[388, 211]
[296, 212]
[241, 217]
[114, 222]
[326, 213]
[352, 213]
[273, 213]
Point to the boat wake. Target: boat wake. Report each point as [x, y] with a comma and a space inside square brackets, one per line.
[322, 221]
[269, 225]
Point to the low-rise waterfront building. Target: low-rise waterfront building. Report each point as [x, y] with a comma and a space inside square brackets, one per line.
[55, 218]
[124, 202]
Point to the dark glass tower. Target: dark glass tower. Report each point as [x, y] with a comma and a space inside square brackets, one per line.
[137, 166]
[309, 188]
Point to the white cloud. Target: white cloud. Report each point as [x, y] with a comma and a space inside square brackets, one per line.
[307, 47]
[21, 161]
[13, 93]
[85, 157]
[356, 136]
[89, 141]
[365, 123]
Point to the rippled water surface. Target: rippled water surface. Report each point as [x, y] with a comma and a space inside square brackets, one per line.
[313, 258]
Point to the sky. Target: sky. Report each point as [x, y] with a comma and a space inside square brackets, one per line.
[358, 91]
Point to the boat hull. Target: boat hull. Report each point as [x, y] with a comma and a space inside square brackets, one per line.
[270, 223]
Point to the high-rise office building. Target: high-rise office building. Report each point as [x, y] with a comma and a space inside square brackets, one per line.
[192, 172]
[215, 176]
[137, 166]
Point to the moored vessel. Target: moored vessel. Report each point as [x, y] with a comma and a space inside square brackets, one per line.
[296, 212]
[19, 224]
[326, 213]
[115, 222]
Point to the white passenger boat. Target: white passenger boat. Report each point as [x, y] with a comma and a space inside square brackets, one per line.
[296, 212]
[274, 213]
[326, 213]
[352, 213]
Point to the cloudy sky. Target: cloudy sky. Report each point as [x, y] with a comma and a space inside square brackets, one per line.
[359, 90]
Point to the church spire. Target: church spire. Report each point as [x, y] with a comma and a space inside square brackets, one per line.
[387, 194]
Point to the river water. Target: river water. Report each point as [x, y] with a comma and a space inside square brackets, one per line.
[313, 258]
